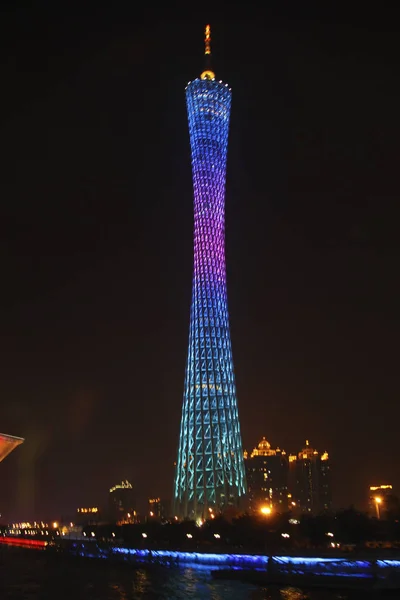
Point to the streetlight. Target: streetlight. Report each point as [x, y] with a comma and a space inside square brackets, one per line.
[265, 510]
[378, 501]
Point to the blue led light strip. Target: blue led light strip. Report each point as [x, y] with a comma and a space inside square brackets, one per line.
[341, 567]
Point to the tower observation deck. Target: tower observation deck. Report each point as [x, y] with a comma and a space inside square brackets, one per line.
[210, 472]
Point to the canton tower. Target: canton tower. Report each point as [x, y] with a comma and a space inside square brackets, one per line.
[210, 472]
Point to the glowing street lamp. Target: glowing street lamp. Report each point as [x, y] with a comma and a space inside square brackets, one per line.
[378, 501]
[265, 510]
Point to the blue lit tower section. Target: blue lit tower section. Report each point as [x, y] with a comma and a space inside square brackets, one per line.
[210, 472]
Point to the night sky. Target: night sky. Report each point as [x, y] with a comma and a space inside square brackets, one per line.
[96, 244]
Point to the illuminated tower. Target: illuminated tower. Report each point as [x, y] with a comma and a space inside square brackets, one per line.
[210, 470]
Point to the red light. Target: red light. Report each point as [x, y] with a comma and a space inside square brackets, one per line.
[23, 542]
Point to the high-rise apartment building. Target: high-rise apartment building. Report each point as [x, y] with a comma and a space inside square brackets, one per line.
[267, 478]
[122, 503]
[310, 480]
[210, 468]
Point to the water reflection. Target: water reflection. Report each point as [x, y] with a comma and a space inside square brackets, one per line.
[36, 576]
[140, 584]
[118, 591]
[291, 593]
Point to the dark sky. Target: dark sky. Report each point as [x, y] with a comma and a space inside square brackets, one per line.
[96, 243]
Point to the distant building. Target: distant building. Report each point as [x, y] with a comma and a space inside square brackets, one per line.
[380, 500]
[159, 509]
[122, 503]
[267, 478]
[71, 531]
[87, 515]
[310, 481]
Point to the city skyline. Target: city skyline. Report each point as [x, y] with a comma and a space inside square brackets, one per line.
[96, 247]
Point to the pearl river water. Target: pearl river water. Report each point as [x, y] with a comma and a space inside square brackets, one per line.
[37, 575]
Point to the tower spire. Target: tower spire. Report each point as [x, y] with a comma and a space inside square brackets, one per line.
[207, 73]
[207, 40]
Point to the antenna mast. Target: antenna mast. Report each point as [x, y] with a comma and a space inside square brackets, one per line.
[208, 73]
[207, 40]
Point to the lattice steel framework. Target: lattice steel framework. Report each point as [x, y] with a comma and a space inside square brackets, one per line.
[210, 468]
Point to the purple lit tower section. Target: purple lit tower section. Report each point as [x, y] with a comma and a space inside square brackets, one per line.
[210, 474]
